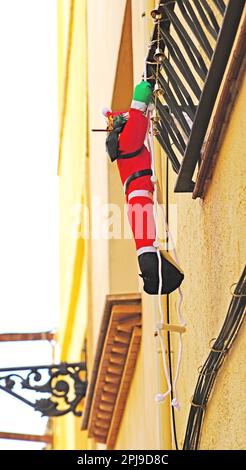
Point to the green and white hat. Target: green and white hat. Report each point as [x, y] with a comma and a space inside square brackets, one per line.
[141, 96]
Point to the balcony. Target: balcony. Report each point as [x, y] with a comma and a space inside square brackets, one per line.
[196, 39]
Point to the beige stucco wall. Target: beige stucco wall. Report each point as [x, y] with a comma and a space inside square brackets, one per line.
[212, 249]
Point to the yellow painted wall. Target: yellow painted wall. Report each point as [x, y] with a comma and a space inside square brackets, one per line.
[73, 185]
[73, 168]
[212, 250]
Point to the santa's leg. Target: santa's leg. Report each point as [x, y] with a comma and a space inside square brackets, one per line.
[140, 214]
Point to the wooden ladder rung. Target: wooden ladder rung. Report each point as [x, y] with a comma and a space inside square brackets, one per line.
[172, 327]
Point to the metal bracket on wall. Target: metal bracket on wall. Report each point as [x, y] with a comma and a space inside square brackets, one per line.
[64, 386]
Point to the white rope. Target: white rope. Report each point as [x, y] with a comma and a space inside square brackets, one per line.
[170, 236]
[159, 418]
[161, 397]
[175, 402]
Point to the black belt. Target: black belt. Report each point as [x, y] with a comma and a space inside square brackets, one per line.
[135, 175]
[130, 155]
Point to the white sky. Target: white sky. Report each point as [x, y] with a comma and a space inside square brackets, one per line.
[29, 277]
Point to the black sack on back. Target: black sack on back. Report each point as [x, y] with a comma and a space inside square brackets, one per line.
[112, 144]
[112, 140]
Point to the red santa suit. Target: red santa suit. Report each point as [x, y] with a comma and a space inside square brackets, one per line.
[138, 191]
[134, 164]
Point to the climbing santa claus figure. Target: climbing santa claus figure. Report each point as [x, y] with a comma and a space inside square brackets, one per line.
[125, 144]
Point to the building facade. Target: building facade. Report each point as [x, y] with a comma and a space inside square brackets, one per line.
[102, 51]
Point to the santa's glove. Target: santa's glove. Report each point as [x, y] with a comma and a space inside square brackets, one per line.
[171, 275]
[142, 96]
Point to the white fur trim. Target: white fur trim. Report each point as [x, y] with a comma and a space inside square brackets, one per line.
[146, 249]
[106, 110]
[139, 105]
[139, 193]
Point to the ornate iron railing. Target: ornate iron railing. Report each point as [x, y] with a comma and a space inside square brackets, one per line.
[63, 385]
[195, 39]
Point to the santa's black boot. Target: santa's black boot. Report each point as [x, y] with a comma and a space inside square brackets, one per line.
[171, 275]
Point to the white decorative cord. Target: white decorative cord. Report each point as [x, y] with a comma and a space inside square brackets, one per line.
[170, 236]
[182, 321]
[160, 397]
[159, 420]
